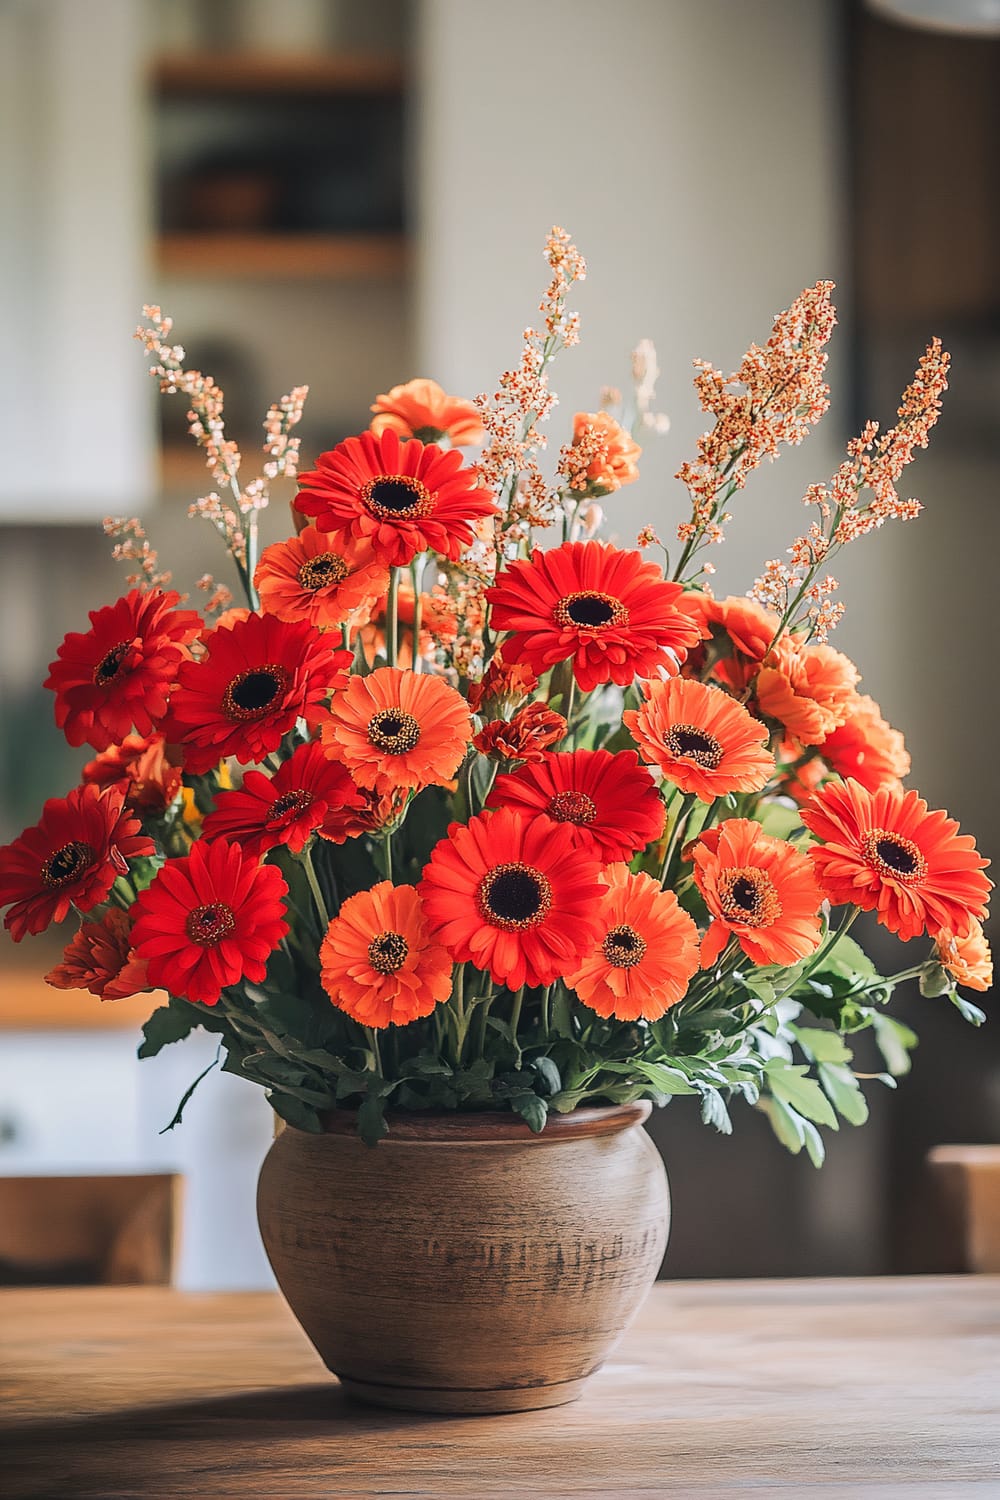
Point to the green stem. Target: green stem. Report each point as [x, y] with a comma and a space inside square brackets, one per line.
[823, 951]
[387, 852]
[482, 1015]
[684, 810]
[372, 1036]
[415, 571]
[392, 618]
[317, 895]
[515, 1018]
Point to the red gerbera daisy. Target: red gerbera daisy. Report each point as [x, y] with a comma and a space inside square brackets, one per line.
[758, 889]
[701, 739]
[608, 801]
[117, 677]
[404, 498]
[140, 761]
[286, 808]
[513, 896]
[378, 962]
[645, 954]
[72, 857]
[101, 959]
[610, 612]
[885, 852]
[257, 678]
[209, 920]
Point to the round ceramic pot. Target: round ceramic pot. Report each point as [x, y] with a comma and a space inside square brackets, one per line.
[464, 1264]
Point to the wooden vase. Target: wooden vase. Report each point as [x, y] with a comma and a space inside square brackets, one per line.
[464, 1264]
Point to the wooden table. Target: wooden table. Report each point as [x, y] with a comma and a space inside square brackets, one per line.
[845, 1390]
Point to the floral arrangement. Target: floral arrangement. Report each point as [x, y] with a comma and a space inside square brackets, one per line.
[463, 807]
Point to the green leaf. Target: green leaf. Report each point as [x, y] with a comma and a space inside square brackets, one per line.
[813, 1142]
[843, 1091]
[371, 1119]
[428, 1066]
[895, 1042]
[295, 1113]
[168, 1023]
[714, 1111]
[779, 819]
[786, 1124]
[967, 1010]
[179, 1111]
[548, 1074]
[668, 1080]
[533, 1109]
[562, 1013]
[820, 1045]
[934, 981]
[791, 1085]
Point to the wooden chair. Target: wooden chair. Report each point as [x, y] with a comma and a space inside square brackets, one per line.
[967, 1184]
[76, 1231]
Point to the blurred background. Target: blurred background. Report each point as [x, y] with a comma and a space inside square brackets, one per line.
[351, 193]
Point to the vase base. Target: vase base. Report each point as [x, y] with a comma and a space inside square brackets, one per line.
[459, 1402]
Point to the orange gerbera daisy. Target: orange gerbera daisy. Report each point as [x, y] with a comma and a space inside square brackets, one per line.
[967, 957]
[645, 954]
[885, 852]
[377, 811]
[403, 498]
[395, 729]
[866, 747]
[101, 959]
[502, 685]
[140, 763]
[602, 456]
[702, 740]
[378, 961]
[759, 890]
[257, 678]
[808, 689]
[421, 409]
[514, 896]
[320, 579]
[526, 735]
[608, 800]
[608, 611]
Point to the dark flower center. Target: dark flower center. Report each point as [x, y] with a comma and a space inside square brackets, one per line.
[514, 896]
[285, 809]
[393, 732]
[387, 952]
[688, 742]
[591, 611]
[396, 497]
[572, 807]
[624, 947]
[253, 694]
[894, 856]
[111, 663]
[68, 864]
[748, 897]
[208, 925]
[322, 570]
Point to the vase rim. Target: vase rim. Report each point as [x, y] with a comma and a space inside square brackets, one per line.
[493, 1127]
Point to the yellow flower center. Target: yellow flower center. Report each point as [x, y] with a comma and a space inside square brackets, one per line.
[572, 807]
[321, 571]
[393, 732]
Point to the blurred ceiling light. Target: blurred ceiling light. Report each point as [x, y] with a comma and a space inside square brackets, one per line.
[978, 17]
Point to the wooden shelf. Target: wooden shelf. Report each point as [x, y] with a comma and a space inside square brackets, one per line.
[261, 73]
[267, 256]
[27, 1003]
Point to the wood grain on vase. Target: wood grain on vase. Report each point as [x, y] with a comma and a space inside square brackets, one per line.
[465, 1264]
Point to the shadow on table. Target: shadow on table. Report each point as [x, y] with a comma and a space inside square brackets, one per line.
[270, 1442]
